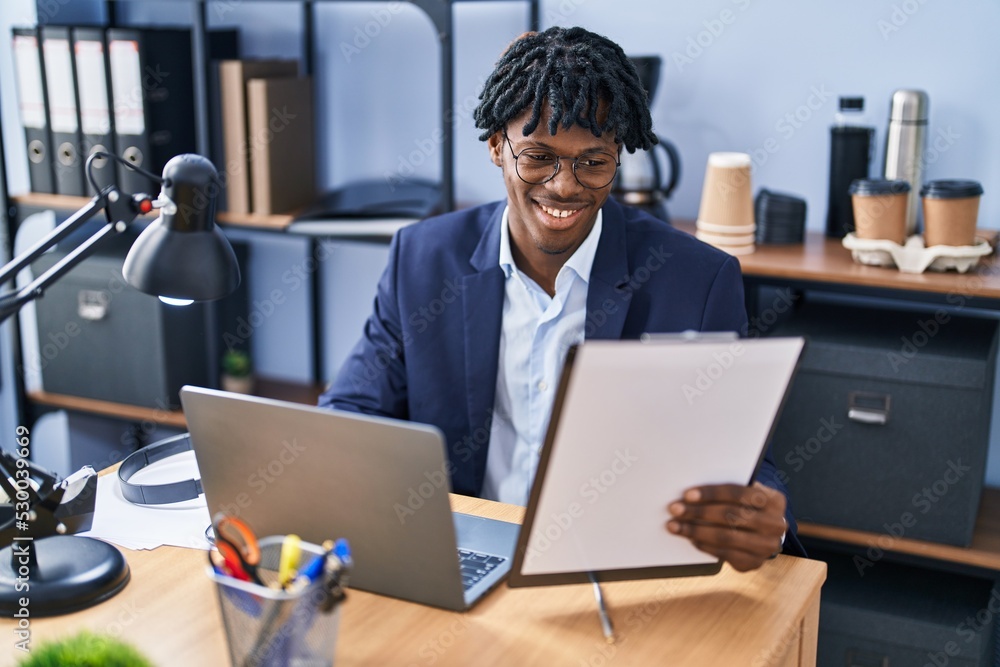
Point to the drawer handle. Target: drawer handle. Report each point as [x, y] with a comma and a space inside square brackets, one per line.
[92, 304]
[866, 407]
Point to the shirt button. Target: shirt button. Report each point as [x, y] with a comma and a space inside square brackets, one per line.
[542, 386]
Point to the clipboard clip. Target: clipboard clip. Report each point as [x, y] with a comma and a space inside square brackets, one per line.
[690, 336]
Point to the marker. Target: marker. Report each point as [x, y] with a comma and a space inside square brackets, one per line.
[288, 562]
[313, 569]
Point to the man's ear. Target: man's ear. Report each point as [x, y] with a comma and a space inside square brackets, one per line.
[495, 144]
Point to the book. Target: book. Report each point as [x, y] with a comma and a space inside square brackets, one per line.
[233, 77]
[281, 144]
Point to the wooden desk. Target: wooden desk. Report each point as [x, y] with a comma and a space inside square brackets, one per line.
[768, 617]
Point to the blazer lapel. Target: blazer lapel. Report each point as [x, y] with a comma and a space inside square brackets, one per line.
[609, 295]
[482, 299]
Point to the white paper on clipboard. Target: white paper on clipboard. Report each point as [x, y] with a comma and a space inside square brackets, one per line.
[638, 424]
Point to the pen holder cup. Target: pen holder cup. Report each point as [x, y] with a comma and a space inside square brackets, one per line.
[275, 628]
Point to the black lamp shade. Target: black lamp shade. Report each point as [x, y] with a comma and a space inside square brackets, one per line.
[182, 265]
[183, 254]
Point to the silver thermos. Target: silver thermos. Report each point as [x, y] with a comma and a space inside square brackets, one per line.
[905, 143]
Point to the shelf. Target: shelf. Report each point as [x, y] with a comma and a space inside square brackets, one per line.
[381, 228]
[279, 389]
[275, 222]
[107, 408]
[39, 201]
[824, 261]
[46, 201]
[984, 551]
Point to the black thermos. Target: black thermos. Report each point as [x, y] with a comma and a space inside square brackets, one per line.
[851, 144]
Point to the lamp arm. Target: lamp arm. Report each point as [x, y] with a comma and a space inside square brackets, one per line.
[92, 208]
[10, 303]
[121, 209]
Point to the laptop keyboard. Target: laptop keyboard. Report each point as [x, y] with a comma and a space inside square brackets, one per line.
[476, 565]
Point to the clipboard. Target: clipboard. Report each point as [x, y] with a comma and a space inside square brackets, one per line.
[634, 423]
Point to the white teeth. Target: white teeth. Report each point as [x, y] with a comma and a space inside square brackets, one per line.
[557, 213]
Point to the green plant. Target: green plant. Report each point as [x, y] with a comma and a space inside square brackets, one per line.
[86, 650]
[236, 363]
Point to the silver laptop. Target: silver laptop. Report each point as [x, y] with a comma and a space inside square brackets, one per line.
[323, 474]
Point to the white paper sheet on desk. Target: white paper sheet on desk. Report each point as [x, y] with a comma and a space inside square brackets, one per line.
[149, 526]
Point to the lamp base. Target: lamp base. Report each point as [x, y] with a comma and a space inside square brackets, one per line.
[73, 573]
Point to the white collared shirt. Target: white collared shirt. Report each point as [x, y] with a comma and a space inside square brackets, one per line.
[535, 333]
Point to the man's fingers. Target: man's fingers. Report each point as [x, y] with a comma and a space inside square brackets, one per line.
[743, 549]
[756, 496]
[731, 516]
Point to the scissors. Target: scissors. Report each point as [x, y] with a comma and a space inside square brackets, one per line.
[238, 547]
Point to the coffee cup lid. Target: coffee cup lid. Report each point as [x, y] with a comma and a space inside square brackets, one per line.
[951, 189]
[865, 186]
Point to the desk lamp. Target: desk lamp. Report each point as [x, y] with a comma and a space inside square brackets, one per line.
[181, 255]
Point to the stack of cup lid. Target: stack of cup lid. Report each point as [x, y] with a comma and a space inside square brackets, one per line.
[780, 218]
[725, 217]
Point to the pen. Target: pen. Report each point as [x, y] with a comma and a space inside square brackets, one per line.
[343, 551]
[288, 562]
[602, 610]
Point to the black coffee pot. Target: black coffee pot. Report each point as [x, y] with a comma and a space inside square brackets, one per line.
[640, 180]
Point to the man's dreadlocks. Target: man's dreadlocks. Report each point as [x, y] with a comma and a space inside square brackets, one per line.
[572, 70]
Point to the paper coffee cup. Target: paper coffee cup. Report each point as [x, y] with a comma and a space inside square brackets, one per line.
[726, 196]
[951, 211]
[880, 209]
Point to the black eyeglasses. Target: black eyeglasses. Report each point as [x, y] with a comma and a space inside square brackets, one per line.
[593, 170]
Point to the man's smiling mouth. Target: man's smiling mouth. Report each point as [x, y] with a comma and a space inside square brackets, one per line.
[558, 212]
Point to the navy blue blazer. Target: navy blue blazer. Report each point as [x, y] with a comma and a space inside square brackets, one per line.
[429, 351]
